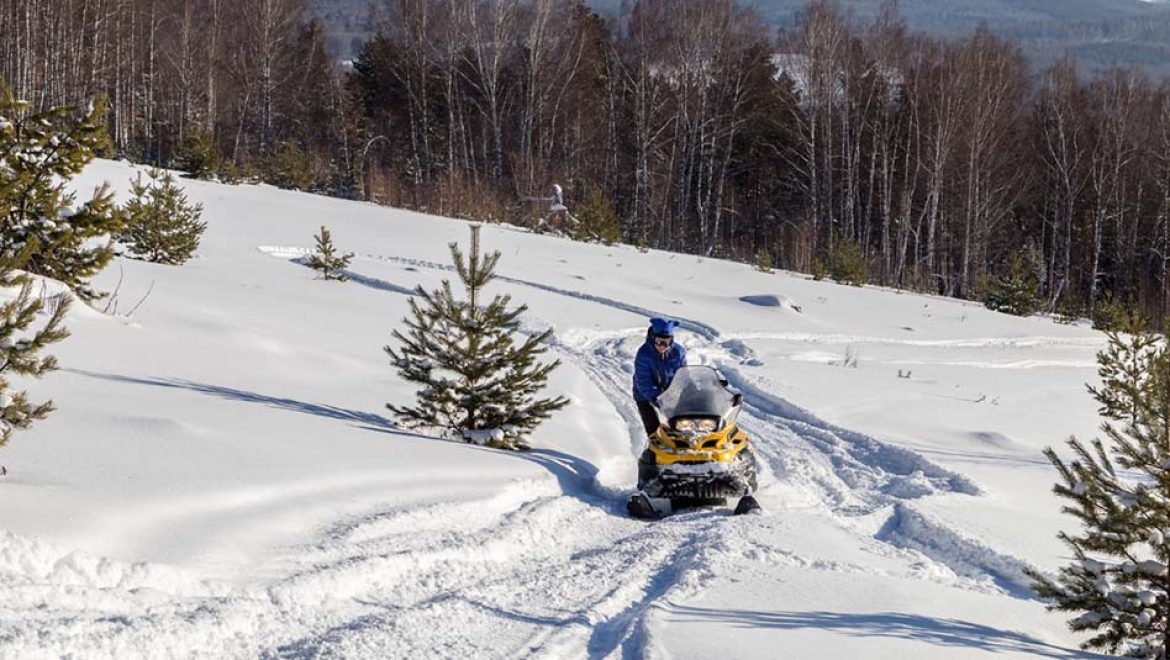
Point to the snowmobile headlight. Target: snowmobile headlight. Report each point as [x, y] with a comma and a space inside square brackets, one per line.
[687, 425]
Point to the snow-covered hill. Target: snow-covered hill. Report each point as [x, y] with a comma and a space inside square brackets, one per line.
[221, 479]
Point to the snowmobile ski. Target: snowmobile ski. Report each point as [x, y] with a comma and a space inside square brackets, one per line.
[648, 508]
[747, 504]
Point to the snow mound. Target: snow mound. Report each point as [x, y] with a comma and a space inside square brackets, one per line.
[910, 529]
[737, 348]
[284, 252]
[26, 561]
[770, 300]
[762, 301]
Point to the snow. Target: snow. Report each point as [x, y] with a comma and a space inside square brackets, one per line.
[1152, 567]
[484, 436]
[221, 478]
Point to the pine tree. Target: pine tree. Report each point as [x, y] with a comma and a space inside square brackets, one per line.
[846, 263]
[1016, 291]
[287, 166]
[197, 156]
[1120, 493]
[596, 218]
[1112, 312]
[477, 383]
[764, 261]
[161, 226]
[39, 153]
[326, 259]
[20, 347]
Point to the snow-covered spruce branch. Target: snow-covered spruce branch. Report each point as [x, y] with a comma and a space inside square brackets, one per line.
[21, 346]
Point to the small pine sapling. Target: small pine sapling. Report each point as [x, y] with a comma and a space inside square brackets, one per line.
[1112, 312]
[764, 261]
[287, 166]
[1118, 584]
[161, 226]
[197, 156]
[476, 382]
[846, 263]
[20, 346]
[326, 259]
[597, 220]
[1016, 291]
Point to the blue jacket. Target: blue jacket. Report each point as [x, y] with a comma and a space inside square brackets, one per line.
[653, 372]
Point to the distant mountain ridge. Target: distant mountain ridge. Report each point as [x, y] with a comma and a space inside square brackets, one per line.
[1099, 33]
[962, 16]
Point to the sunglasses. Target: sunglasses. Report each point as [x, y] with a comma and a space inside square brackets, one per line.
[663, 341]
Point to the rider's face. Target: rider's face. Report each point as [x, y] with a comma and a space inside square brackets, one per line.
[662, 344]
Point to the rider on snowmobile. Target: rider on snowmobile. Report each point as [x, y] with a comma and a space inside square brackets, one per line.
[695, 454]
[654, 367]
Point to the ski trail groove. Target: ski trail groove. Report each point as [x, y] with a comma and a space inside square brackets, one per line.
[596, 582]
[698, 327]
[299, 254]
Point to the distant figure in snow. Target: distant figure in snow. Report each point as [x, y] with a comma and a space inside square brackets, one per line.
[654, 367]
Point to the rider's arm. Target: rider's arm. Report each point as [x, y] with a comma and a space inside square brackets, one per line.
[644, 376]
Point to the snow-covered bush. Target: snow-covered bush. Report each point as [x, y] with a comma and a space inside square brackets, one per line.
[476, 382]
[161, 226]
[1119, 491]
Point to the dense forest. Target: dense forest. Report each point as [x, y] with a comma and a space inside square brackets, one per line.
[833, 145]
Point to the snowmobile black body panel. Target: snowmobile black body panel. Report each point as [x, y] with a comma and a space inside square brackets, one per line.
[715, 486]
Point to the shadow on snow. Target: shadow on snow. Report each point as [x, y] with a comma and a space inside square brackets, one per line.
[367, 420]
[944, 632]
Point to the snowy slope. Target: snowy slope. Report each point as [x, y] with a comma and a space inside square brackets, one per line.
[221, 479]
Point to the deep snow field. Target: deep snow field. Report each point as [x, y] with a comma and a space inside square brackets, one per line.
[222, 478]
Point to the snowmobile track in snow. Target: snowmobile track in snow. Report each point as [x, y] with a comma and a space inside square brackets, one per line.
[501, 581]
[853, 473]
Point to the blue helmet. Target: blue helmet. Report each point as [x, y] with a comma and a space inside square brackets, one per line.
[660, 327]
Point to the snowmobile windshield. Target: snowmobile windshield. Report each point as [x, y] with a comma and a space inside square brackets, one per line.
[696, 391]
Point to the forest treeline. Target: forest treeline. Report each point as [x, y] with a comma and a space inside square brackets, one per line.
[938, 165]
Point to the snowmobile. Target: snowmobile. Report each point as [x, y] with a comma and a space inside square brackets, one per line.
[698, 456]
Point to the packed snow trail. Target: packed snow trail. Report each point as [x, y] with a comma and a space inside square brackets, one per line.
[521, 575]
